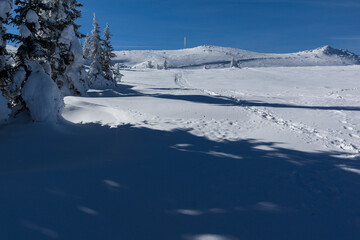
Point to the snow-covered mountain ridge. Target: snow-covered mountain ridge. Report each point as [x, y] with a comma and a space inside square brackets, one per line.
[220, 57]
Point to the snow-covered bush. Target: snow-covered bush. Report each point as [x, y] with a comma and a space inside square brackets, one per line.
[41, 95]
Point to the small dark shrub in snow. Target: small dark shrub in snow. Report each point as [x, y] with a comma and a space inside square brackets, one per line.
[234, 63]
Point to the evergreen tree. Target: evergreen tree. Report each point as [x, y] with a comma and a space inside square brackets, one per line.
[165, 66]
[117, 73]
[5, 7]
[107, 54]
[30, 23]
[95, 41]
[32, 46]
[96, 78]
[67, 57]
[73, 14]
[32, 86]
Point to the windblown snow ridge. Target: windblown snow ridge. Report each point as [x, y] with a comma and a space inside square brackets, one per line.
[220, 57]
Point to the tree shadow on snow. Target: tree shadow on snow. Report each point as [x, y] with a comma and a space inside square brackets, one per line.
[226, 101]
[120, 90]
[124, 90]
[94, 182]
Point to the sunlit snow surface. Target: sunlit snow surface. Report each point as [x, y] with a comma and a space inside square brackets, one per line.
[220, 57]
[226, 154]
[303, 108]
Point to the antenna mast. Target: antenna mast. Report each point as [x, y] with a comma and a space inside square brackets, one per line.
[184, 42]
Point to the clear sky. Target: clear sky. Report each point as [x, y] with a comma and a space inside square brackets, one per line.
[258, 25]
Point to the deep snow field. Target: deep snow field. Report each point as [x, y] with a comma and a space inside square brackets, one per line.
[193, 154]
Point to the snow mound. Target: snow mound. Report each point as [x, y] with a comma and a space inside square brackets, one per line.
[80, 110]
[41, 95]
[220, 57]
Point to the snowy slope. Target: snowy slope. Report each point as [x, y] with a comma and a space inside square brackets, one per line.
[219, 57]
[303, 108]
[219, 154]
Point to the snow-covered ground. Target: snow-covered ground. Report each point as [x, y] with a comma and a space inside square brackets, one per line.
[304, 108]
[220, 57]
[220, 154]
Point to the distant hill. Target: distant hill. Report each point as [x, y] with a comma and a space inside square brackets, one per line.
[220, 57]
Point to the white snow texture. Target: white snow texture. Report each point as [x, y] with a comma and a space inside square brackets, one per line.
[220, 57]
[41, 95]
[74, 72]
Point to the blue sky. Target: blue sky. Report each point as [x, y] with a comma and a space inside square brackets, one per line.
[258, 25]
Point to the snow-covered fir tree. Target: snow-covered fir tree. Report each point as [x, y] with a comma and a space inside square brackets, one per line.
[96, 78]
[32, 87]
[234, 63]
[165, 65]
[94, 41]
[117, 73]
[66, 57]
[5, 7]
[86, 47]
[107, 55]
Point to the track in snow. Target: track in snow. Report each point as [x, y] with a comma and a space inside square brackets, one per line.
[308, 134]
